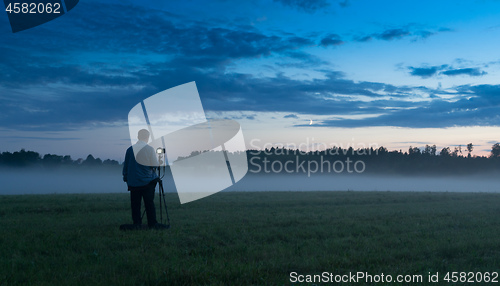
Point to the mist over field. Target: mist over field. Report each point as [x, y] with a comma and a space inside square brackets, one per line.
[361, 182]
[37, 181]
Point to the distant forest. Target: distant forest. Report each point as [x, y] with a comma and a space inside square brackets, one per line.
[413, 161]
[25, 158]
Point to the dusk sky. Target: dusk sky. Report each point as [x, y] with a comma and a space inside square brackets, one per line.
[386, 73]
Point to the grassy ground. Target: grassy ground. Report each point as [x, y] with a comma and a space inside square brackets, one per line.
[247, 238]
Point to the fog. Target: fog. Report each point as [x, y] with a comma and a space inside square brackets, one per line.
[362, 182]
[36, 181]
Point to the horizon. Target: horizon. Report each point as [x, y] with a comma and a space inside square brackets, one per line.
[460, 151]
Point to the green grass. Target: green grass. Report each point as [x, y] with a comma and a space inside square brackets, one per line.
[247, 238]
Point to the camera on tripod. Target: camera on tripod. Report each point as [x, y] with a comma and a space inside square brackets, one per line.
[160, 152]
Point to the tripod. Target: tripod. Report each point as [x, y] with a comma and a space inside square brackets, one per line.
[161, 190]
[161, 194]
[163, 203]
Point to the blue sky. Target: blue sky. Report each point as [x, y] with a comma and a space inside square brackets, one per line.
[393, 73]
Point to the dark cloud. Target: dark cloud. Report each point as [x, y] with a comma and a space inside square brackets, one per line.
[331, 40]
[309, 6]
[399, 33]
[392, 34]
[425, 72]
[366, 38]
[291, 116]
[465, 71]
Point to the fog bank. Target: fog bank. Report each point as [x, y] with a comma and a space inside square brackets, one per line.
[36, 181]
[362, 182]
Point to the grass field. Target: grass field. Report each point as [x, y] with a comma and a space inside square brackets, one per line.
[247, 238]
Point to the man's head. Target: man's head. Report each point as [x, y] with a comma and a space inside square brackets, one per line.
[143, 135]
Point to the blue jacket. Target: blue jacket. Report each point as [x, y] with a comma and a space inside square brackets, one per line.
[135, 174]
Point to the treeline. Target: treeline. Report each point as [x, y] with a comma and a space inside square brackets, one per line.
[25, 158]
[414, 161]
[426, 160]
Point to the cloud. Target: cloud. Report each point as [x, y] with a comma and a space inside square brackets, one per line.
[473, 106]
[465, 71]
[331, 40]
[366, 38]
[309, 6]
[426, 72]
[392, 34]
[424, 34]
[399, 33]
[291, 116]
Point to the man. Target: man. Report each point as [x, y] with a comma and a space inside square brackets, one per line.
[141, 178]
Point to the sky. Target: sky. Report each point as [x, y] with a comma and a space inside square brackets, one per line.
[366, 73]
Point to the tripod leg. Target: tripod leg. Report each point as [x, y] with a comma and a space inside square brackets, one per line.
[159, 198]
[162, 194]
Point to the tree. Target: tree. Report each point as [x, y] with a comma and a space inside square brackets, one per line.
[455, 152]
[430, 150]
[381, 151]
[110, 162]
[413, 151]
[470, 147]
[495, 150]
[445, 152]
[52, 160]
[433, 150]
[20, 158]
[91, 161]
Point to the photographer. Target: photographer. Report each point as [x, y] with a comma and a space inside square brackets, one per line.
[141, 179]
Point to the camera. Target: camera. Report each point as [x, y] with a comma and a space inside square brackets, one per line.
[160, 150]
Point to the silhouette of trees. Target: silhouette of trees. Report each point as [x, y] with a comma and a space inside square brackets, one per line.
[429, 150]
[52, 160]
[19, 158]
[495, 150]
[25, 158]
[470, 147]
[412, 162]
[91, 161]
[445, 152]
[416, 160]
[109, 162]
